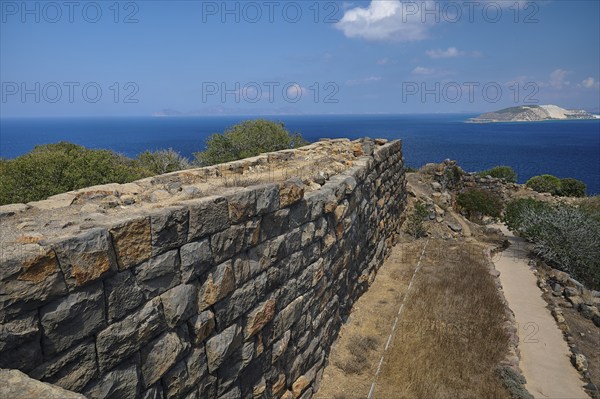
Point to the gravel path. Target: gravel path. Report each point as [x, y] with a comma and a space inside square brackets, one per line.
[544, 353]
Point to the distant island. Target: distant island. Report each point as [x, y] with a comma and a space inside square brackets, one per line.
[532, 113]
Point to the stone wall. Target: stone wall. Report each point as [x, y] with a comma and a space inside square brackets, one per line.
[237, 295]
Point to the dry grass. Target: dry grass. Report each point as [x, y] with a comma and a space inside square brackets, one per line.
[450, 339]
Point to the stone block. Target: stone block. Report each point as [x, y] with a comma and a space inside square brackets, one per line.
[122, 382]
[218, 284]
[158, 274]
[242, 204]
[259, 317]
[227, 243]
[86, 258]
[20, 343]
[132, 240]
[30, 276]
[290, 192]
[267, 198]
[241, 301]
[202, 326]
[72, 318]
[222, 345]
[186, 375]
[120, 340]
[207, 216]
[169, 228]
[72, 369]
[179, 303]
[160, 355]
[196, 259]
[123, 295]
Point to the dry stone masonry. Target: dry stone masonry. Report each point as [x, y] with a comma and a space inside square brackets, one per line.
[223, 282]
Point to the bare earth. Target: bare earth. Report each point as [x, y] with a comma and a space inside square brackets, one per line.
[544, 353]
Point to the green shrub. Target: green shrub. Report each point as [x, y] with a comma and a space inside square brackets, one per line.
[545, 184]
[562, 235]
[572, 188]
[501, 172]
[56, 168]
[478, 203]
[414, 223]
[162, 161]
[248, 139]
[591, 206]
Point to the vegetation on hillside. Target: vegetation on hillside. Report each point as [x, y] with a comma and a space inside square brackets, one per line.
[567, 187]
[501, 172]
[248, 139]
[477, 203]
[56, 168]
[414, 223]
[564, 236]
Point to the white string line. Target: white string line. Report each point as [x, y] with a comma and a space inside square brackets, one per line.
[398, 315]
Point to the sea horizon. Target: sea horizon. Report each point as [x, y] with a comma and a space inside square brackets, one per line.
[531, 148]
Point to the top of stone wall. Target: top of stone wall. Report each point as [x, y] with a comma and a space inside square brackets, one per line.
[87, 233]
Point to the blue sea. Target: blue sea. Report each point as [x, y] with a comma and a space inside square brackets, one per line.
[562, 148]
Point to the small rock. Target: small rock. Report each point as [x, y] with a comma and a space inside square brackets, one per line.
[436, 186]
[579, 361]
[457, 228]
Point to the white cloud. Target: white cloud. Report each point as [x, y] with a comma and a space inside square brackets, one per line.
[385, 20]
[385, 61]
[369, 79]
[295, 91]
[451, 52]
[557, 78]
[590, 83]
[423, 71]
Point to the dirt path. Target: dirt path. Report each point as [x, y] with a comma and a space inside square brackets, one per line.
[544, 353]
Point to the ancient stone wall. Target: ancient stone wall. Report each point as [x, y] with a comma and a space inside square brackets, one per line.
[234, 295]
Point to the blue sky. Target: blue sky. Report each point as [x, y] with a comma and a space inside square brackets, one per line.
[211, 57]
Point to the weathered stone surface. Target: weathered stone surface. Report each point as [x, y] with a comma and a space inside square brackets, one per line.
[28, 278]
[242, 205]
[299, 386]
[279, 347]
[85, 258]
[219, 283]
[120, 340]
[207, 216]
[202, 325]
[158, 274]
[155, 392]
[241, 301]
[267, 198]
[169, 229]
[278, 386]
[287, 317]
[20, 343]
[123, 295]
[187, 374]
[290, 192]
[132, 240]
[259, 317]
[179, 303]
[17, 385]
[275, 224]
[196, 259]
[122, 382]
[160, 355]
[73, 318]
[72, 369]
[219, 347]
[227, 243]
[234, 393]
